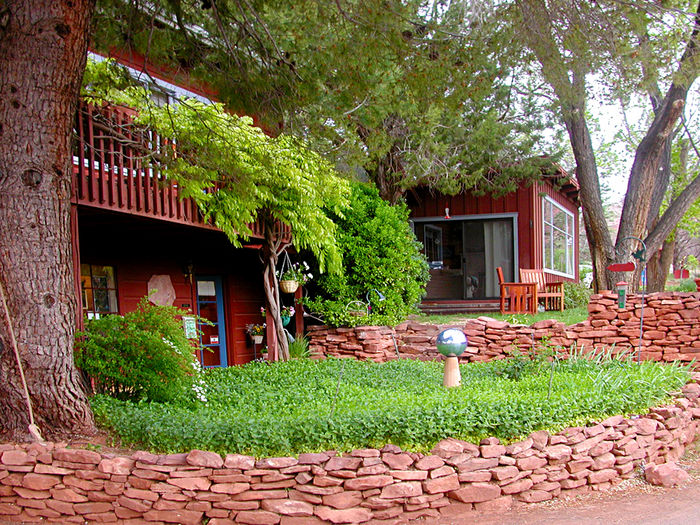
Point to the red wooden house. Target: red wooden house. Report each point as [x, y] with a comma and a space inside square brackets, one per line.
[466, 237]
[133, 235]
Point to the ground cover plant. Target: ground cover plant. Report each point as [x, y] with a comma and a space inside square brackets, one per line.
[568, 317]
[307, 405]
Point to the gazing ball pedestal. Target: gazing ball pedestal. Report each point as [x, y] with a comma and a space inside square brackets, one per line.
[451, 343]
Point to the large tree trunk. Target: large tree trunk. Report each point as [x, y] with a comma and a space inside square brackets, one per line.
[43, 46]
[271, 251]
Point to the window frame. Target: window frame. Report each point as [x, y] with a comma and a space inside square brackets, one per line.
[88, 310]
[569, 239]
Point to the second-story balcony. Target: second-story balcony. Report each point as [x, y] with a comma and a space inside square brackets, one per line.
[113, 169]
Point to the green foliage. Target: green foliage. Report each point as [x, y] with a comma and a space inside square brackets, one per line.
[576, 295]
[141, 355]
[686, 285]
[379, 252]
[568, 317]
[232, 169]
[308, 405]
[299, 348]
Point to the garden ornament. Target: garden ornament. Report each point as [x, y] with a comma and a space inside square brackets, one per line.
[451, 343]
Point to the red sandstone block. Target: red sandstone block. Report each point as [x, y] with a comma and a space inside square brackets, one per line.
[288, 507]
[182, 517]
[238, 461]
[77, 456]
[441, 485]
[368, 482]
[343, 500]
[476, 492]
[353, 515]
[397, 461]
[404, 489]
[343, 463]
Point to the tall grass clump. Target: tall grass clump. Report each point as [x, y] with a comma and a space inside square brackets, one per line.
[309, 405]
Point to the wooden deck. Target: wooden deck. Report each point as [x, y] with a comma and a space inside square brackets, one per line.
[112, 170]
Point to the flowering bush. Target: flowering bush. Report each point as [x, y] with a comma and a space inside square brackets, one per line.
[298, 272]
[262, 311]
[287, 311]
[255, 329]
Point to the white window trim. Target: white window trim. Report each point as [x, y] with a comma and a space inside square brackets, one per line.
[545, 263]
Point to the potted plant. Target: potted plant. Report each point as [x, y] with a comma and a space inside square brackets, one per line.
[256, 332]
[286, 314]
[264, 353]
[296, 275]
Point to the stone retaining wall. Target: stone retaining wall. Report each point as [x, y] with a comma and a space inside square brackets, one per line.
[671, 332]
[62, 485]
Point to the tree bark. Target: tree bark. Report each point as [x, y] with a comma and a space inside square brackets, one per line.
[271, 250]
[43, 47]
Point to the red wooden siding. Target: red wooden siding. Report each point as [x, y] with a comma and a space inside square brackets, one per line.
[140, 248]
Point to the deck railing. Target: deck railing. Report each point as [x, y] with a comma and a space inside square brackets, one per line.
[113, 168]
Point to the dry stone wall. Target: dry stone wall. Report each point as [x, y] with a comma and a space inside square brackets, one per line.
[671, 332]
[52, 483]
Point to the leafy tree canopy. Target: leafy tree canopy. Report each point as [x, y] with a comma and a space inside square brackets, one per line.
[231, 168]
[404, 93]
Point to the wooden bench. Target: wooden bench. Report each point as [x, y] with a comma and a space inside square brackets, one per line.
[552, 293]
[517, 298]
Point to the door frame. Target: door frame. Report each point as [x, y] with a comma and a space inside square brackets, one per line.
[220, 315]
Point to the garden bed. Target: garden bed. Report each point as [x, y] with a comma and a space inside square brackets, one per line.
[311, 406]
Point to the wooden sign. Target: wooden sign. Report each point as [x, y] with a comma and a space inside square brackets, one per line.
[621, 267]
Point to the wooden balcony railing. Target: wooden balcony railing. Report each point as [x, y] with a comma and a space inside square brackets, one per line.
[113, 169]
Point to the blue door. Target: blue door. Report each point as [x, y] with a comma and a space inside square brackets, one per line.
[210, 306]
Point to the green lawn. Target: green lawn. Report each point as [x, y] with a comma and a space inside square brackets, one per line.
[306, 405]
[568, 317]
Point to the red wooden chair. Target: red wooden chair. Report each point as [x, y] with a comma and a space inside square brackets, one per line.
[517, 298]
[552, 293]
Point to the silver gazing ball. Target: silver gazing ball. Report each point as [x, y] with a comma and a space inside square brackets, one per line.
[451, 342]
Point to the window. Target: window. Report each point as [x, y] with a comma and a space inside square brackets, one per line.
[432, 244]
[558, 236]
[99, 290]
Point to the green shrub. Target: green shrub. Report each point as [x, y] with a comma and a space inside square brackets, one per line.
[576, 295]
[686, 285]
[306, 405]
[299, 348]
[141, 355]
[380, 252]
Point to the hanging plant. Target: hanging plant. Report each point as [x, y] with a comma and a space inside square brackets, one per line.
[291, 276]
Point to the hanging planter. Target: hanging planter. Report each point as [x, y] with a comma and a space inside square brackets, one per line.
[257, 339]
[289, 285]
[285, 320]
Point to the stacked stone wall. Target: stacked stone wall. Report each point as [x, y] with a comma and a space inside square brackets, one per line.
[671, 332]
[52, 483]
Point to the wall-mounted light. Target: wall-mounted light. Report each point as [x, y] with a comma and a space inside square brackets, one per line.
[447, 213]
[188, 270]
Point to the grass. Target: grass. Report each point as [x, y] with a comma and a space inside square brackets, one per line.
[568, 317]
[305, 405]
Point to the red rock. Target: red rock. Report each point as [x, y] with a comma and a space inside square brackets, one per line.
[134, 505]
[518, 486]
[343, 463]
[288, 507]
[39, 481]
[534, 496]
[492, 450]
[327, 481]
[645, 426]
[61, 506]
[476, 475]
[558, 452]
[520, 446]
[501, 473]
[578, 465]
[539, 439]
[441, 485]
[229, 488]
[190, 483]
[9, 509]
[429, 463]
[601, 476]
[368, 482]
[601, 448]
[77, 455]
[531, 463]
[83, 484]
[202, 458]
[476, 492]
[438, 472]
[276, 463]
[447, 448]
[266, 494]
[182, 517]
[50, 469]
[365, 453]
[343, 500]
[145, 457]
[92, 507]
[404, 489]
[477, 464]
[68, 495]
[16, 457]
[140, 494]
[397, 461]
[418, 475]
[354, 515]
[666, 475]
[371, 470]
[604, 461]
[238, 461]
[119, 465]
[313, 458]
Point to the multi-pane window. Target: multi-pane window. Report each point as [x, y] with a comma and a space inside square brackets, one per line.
[432, 245]
[99, 290]
[558, 236]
